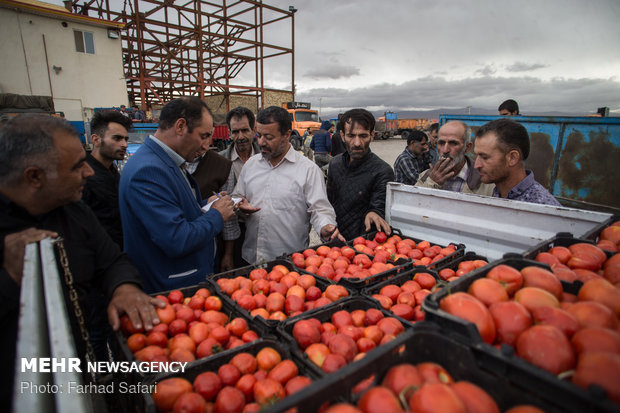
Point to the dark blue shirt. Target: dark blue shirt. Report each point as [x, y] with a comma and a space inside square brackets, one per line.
[528, 190]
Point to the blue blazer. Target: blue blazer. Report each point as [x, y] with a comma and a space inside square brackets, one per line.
[166, 235]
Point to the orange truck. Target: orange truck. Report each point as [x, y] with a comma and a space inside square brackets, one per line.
[303, 118]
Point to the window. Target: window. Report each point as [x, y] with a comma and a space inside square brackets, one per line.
[84, 42]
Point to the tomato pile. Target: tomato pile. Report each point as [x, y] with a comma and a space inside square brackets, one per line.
[425, 387]
[190, 328]
[549, 328]
[464, 267]
[395, 247]
[406, 300]
[582, 262]
[246, 383]
[348, 337]
[336, 263]
[609, 238]
[279, 293]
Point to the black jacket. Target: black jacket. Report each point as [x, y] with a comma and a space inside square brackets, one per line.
[101, 194]
[357, 188]
[337, 144]
[95, 262]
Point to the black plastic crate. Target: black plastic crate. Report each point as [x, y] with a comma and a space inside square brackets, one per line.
[356, 284]
[147, 404]
[460, 248]
[325, 314]
[562, 239]
[400, 280]
[454, 264]
[596, 231]
[426, 342]
[121, 352]
[458, 326]
[269, 325]
[504, 360]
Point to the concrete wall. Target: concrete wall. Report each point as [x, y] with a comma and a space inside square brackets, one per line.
[85, 80]
[217, 103]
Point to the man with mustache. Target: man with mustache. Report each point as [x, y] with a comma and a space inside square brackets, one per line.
[242, 127]
[109, 135]
[283, 192]
[241, 124]
[357, 178]
[43, 171]
[454, 171]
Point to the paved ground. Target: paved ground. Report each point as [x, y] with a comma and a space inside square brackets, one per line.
[388, 150]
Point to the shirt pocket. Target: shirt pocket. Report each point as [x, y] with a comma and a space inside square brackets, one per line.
[286, 194]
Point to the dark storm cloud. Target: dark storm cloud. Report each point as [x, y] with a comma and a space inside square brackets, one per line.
[533, 95]
[524, 67]
[332, 71]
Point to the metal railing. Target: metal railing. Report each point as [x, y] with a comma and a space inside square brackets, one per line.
[44, 333]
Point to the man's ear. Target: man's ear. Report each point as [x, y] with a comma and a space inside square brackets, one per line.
[34, 176]
[468, 147]
[372, 135]
[513, 157]
[96, 140]
[180, 126]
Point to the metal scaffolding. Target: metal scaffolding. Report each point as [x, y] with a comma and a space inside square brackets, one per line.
[198, 48]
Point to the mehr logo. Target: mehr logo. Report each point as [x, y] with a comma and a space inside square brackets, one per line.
[51, 365]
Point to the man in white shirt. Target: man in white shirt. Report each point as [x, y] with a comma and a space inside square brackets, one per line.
[283, 191]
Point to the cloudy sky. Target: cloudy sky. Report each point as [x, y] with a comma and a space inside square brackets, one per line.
[551, 55]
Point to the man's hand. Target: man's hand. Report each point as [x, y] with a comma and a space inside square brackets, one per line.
[225, 206]
[15, 249]
[246, 207]
[329, 232]
[442, 170]
[131, 300]
[372, 218]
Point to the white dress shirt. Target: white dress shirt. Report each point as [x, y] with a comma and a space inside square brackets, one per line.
[291, 196]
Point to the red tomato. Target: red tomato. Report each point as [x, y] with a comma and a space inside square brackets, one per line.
[469, 308]
[436, 398]
[546, 347]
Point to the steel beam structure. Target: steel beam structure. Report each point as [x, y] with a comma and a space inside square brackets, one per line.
[192, 47]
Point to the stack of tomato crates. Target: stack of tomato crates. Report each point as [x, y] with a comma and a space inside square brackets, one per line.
[392, 323]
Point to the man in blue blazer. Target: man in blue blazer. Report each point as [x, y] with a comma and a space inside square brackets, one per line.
[166, 234]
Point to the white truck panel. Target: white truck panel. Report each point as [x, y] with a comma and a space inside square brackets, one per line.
[488, 226]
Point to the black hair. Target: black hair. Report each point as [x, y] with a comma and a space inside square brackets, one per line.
[99, 123]
[433, 127]
[189, 108]
[29, 140]
[362, 117]
[415, 136]
[238, 113]
[510, 105]
[278, 115]
[511, 135]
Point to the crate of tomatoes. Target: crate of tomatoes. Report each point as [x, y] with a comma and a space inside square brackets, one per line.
[331, 338]
[576, 261]
[404, 294]
[195, 323]
[276, 292]
[518, 313]
[453, 270]
[256, 377]
[423, 370]
[400, 248]
[346, 265]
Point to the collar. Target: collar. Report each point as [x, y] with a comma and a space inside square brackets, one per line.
[350, 163]
[289, 156]
[463, 173]
[234, 155]
[519, 188]
[176, 158]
